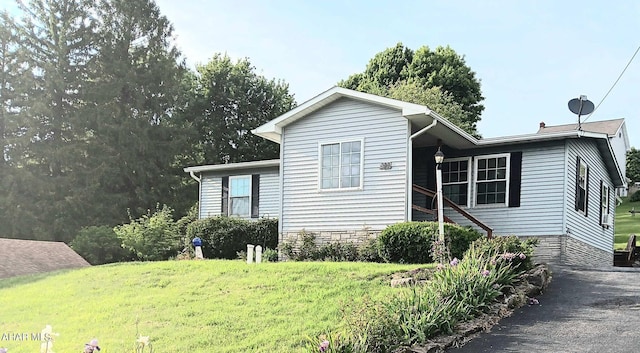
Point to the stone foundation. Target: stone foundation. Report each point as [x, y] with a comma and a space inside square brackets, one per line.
[565, 250]
[326, 237]
[578, 253]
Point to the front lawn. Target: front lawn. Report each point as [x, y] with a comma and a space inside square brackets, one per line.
[626, 224]
[188, 306]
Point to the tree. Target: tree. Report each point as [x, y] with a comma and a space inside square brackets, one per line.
[633, 165]
[138, 81]
[99, 245]
[152, 237]
[47, 149]
[231, 100]
[424, 69]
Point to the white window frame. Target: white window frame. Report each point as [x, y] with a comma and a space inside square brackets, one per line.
[230, 207]
[340, 142]
[506, 179]
[604, 204]
[586, 185]
[470, 176]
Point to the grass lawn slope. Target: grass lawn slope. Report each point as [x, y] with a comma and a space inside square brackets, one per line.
[626, 224]
[187, 306]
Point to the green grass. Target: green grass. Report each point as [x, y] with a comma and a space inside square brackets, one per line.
[626, 224]
[188, 306]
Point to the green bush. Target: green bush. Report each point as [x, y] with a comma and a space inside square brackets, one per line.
[518, 252]
[223, 237]
[152, 237]
[99, 245]
[635, 197]
[411, 242]
[270, 255]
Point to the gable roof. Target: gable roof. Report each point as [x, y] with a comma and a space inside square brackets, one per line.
[609, 127]
[422, 117]
[24, 257]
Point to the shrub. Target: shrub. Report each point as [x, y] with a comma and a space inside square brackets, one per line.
[223, 237]
[411, 242]
[270, 255]
[151, 237]
[338, 252]
[508, 247]
[369, 251]
[635, 197]
[99, 245]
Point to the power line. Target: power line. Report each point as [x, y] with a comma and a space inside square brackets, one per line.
[614, 84]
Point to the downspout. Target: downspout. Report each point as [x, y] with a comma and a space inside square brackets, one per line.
[194, 177]
[410, 167]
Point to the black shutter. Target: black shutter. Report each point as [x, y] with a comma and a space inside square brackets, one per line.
[225, 196]
[255, 196]
[601, 196]
[577, 183]
[515, 179]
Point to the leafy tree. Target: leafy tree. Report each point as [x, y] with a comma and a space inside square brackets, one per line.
[633, 164]
[424, 69]
[99, 245]
[152, 237]
[231, 100]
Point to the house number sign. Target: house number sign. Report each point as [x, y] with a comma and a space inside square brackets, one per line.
[385, 166]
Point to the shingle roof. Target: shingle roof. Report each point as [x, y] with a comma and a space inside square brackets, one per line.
[24, 257]
[609, 127]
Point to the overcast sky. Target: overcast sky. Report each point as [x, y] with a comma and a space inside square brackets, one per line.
[532, 57]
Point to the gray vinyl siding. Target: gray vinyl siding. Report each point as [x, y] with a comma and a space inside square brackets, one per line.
[541, 196]
[211, 192]
[269, 194]
[210, 195]
[581, 227]
[380, 202]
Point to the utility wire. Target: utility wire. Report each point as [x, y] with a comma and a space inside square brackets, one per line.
[614, 84]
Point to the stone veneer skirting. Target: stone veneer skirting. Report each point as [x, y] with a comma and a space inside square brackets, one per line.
[566, 250]
[552, 249]
[326, 237]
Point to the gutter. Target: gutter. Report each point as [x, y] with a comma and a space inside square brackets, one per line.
[409, 197]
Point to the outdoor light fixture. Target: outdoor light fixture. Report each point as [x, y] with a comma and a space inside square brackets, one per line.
[439, 157]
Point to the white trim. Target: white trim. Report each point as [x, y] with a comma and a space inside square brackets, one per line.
[230, 208]
[470, 176]
[409, 172]
[507, 179]
[233, 166]
[339, 143]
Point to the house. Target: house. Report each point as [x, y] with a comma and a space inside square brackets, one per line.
[615, 129]
[352, 163]
[26, 257]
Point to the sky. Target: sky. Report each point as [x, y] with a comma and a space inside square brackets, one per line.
[531, 57]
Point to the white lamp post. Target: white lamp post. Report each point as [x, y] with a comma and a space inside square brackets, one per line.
[439, 157]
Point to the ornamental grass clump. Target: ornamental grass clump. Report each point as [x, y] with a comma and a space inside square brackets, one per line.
[458, 291]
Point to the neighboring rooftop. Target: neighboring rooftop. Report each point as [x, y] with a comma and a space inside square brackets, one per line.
[609, 127]
[25, 257]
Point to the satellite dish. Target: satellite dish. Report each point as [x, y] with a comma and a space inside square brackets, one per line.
[581, 106]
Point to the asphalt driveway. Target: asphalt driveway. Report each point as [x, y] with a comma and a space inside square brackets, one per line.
[583, 310]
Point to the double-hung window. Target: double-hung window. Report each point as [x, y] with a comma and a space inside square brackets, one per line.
[604, 205]
[455, 180]
[492, 179]
[341, 165]
[240, 195]
[582, 183]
